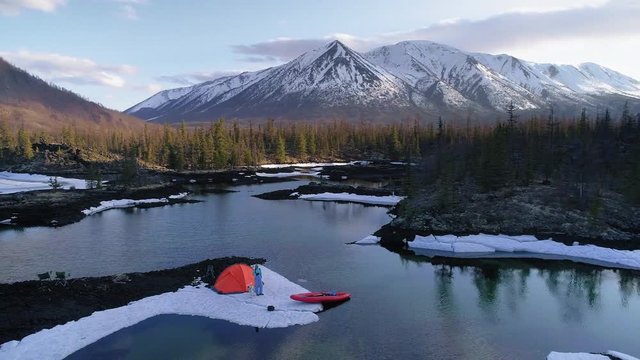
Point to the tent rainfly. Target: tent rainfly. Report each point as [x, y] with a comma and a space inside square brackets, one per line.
[235, 279]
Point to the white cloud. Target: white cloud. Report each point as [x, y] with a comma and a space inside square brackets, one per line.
[551, 5]
[600, 50]
[154, 88]
[576, 21]
[615, 18]
[148, 88]
[129, 8]
[66, 69]
[129, 12]
[195, 77]
[13, 7]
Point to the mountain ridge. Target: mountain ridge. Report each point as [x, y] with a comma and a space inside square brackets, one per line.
[30, 102]
[407, 79]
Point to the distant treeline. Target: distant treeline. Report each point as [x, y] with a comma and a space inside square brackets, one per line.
[221, 145]
[586, 153]
[582, 156]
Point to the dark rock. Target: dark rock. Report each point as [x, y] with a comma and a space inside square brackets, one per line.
[278, 195]
[318, 188]
[63, 207]
[543, 211]
[29, 306]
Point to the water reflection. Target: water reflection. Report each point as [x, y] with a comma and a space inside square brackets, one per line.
[628, 282]
[505, 283]
[444, 281]
[432, 308]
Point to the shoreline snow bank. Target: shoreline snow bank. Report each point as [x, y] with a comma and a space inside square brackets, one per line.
[526, 244]
[368, 240]
[588, 356]
[127, 203]
[288, 174]
[389, 200]
[11, 183]
[306, 165]
[244, 309]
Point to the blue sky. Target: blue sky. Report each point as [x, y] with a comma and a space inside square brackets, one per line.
[119, 52]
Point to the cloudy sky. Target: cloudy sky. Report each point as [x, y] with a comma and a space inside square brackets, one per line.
[119, 52]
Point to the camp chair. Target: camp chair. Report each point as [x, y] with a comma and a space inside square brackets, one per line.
[61, 278]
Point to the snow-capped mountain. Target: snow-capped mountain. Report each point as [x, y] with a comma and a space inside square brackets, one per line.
[391, 82]
[326, 82]
[462, 79]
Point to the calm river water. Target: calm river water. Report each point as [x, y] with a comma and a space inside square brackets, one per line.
[402, 307]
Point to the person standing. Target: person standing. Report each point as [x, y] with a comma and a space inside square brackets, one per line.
[257, 274]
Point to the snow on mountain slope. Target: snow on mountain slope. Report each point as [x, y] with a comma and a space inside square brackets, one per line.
[187, 98]
[616, 81]
[219, 90]
[333, 75]
[427, 62]
[589, 78]
[160, 99]
[391, 81]
[521, 73]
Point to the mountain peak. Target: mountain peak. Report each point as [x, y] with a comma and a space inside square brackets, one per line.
[421, 77]
[332, 50]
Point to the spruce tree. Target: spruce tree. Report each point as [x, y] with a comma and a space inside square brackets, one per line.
[25, 147]
[281, 154]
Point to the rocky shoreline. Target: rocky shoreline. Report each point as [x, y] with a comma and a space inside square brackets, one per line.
[29, 306]
[62, 207]
[318, 188]
[538, 210]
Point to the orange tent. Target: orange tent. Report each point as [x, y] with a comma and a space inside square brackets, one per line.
[235, 279]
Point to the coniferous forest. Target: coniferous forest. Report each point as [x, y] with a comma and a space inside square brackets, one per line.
[586, 154]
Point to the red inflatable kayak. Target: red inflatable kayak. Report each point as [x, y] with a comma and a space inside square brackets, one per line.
[319, 297]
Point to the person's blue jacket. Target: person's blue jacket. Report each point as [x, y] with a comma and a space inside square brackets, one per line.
[257, 273]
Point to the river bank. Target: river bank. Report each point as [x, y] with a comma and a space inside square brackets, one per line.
[336, 193]
[62, 207]
[540, 210]
[47, 207]
[30, 306]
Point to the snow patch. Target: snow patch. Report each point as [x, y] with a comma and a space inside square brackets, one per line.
[368, 240]
[288, 174]
[587, 356]
[11, 183]
[181, 195]
[244, 309]
[527, 244]
[306, 165]
[389, 200]
[575, 356]
[127, 203]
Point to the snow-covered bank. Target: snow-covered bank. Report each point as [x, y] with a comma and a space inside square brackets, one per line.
[368, 240]
[587, 356]
[126, 203]
[288, 174]
[389, 200]
[16, 182]
[528, 245]
[243, 309]
[307, 165]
